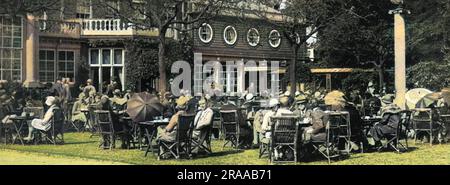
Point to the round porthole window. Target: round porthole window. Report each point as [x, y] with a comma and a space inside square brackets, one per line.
[253, 37]
[274, 38]
[230, 35]
[205, 33]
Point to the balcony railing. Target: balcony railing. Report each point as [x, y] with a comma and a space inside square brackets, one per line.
[109, 27]
[54, 28]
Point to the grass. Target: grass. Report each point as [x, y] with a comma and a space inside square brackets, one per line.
[12, 157]
[80, 146]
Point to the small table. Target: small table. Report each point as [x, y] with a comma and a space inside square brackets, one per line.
[150, 130]
[19, 123]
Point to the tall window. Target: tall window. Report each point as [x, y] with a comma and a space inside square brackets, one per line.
[84, 9]
[205, 33]
[66, 65]
[10, 48]
[47, 65]
[107, 64]
[52, 67]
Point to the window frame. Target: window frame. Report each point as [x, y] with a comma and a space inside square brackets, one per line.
[279, 39]
[208, 40]
[227, 41]
[258, 39]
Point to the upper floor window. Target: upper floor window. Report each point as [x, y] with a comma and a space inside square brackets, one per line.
[205, 33]
[253, 37]
[230, 35]
[84, 9]
[274, 38]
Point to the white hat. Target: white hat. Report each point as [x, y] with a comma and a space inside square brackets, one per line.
[287, 93]
[273, 102]
[50, 100]
[249, 96]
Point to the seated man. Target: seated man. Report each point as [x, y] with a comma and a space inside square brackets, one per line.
[388, 124]
[203, 118]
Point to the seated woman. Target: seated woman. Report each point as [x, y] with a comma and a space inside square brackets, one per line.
[44, 123]
[169, 132]
[388, 124]
[78, 116]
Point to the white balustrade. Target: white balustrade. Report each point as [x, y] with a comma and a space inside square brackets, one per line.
[106, 27]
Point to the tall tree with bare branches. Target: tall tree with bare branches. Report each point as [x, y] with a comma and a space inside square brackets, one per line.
[165, 15]
[298, 17]
[22, 7]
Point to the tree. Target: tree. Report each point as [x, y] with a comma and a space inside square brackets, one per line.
[165, 15]
[430, 75]
[364, 40]
[296, 16]
[428, 30]
[22, 7]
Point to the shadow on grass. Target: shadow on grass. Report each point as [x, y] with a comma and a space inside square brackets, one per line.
[80, 142]
[388, 149]
[218, 154]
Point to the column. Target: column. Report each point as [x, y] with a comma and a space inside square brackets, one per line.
[31, 52]
[400, 58]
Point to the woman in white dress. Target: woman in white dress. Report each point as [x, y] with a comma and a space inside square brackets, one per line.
[44, 123]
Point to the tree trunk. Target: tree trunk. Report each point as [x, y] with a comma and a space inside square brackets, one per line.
[161, 63]
[293, 76]
[381, 78]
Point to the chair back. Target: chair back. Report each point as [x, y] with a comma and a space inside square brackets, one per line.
[230, 122]
[103, 121]
[422, 119]
[284, 130]
[184, 127]
[58, 120]
[403, 127]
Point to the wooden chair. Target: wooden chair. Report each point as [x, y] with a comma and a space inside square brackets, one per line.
[55, 134]
[401, 133]
[328, 140]
[423, 121]
[203, 142]
[284, 135]
[231, 130]
[106, 129]
[181, 145]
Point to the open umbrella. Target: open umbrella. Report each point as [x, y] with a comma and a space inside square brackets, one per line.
[144, 107]
[414, 95]
[335, 98]
[428, 99]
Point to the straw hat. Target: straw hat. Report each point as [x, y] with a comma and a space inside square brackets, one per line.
[181, 102]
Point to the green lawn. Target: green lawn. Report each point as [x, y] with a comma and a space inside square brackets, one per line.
[81, 147]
